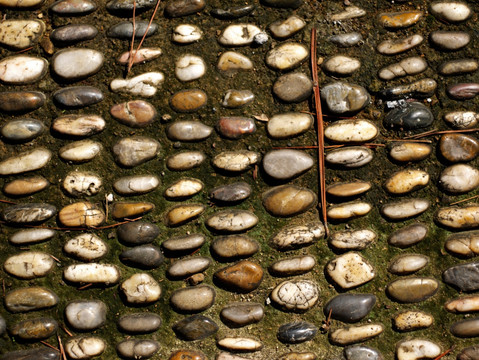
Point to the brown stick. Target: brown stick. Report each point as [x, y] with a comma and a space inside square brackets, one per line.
[464, 200]
[3, 287]
[130, 57]
[7, 202]
[50, 346]
[434, 132]
[85, 286]
[444, 353]
[66, 330]
[411, 140]
[62, 350]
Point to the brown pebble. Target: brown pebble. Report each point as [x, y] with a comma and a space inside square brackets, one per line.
[244, 276]
[21, 101]
[235, 127]
[189, 100]
[81, 214]
[459, 147]
[136, 114]
[122, 210]
[463, 91]
[25, 186]
[187, 355]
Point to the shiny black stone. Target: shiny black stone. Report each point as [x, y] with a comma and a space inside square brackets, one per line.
[195, 327]
[465, 277]
[77, 96]
[411, 116]
[296, 332]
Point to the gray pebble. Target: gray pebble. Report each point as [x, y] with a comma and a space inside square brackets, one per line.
[296, 332]
[350, 308]
[193, 299]
[135, 150]
[137, 349]
[188, 266]
[184, 243]
[234, 247]
[142, 257]
[22, 130]
[86, 315]
[124, 30]
[139, 323]
[361, 352]
[74, 33]
[346, 40]
[78, 96]
[188, 131]
[286, 164]
[178, 8]
[449, 40]
[137, 233]
[293, 87]
[232, 192]
[465, 277]
[195, 327]
[241, 314]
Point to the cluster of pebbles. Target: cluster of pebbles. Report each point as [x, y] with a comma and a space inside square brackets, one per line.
[119, 242]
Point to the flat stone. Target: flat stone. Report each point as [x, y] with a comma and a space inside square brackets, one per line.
[179, 8]
[79, 125]
[73, 33]
[405, 209]
[235, 99]
[234, 246]
[183, 188]
[288, 200]
[458, 147]
[181, 214]
[137, 233]
[283, 29]
[137, 348]
[35, 353]
[361, 352]
[34, 329]
[188, 131]
[412, 289]
[346, 40]
[350, 270]
[185, 160]
[189, 100]
[293, 87]
[286, 56]
[459, 178]
[21, 101]
[235, 161]
[350, 157]
[193, 299]
[352, 239]
[238, 35]
[130, 209]
[409, 117]
[462, 119]
[22, 130]
[284, 4]
[409, 151]
[240, 314]
[79, 184]
[86, 315]
[407, 263]
[124, 30]
[29, 264]
[32, 298]
[232, 62]
[399, 20]
[31, 236]
[184, 243]
[463, 244]
[469, 353]
[76, 64]
[186, 267]
[73, 7]
[234, 12]
[286, 164]
[77, 97]
[189, 67]
[25, 186]
[296, 332]
[81, 214]
[458, 67]
[22, 69]
[282, 126]
[136, 184]
[458, 217]
[242, 277]
[142, 257]
[406, 181]
[409, 66]
[80, 151]
[186, 34]
[86, 247]
[415, 349]
[144, 85]
[296, 295]
[187, 355]
[136, 113]
[350, 308]
[344, 98]
[341, 65]
[397, 46]
[135, 150]
[233, 192]
[449, 40]
[30, 160]
[239, 344]
[412, 320]
[354, 334]
[349, 210]
[94, 273]
[351, 131]
[140, 288]
[348, 189]
[139, 323]
[296, 236]
[297, 265]
[21, 34]
[196, 327]
[464, 277]
[408, 235]
[235, 127]
[463, 91]
[84, 347]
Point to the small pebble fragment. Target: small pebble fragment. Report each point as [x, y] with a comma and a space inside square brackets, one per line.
[241, 277]
[449, 40]
[77, 97]
[406, 181]
[412, 320]
[399, 20]
[233, 192]
[21, 101]
[405, 209]
[85, 315]
[415, 349]
[86, 247]
[184, 243]
[296, 295]
[187, 101]
[296, 236]
[297, 265]
[179, 8]
[195, 327]
[350, 270]
[348, 189]
[185, 160]
[409, 66]
[240, 314]
[30, 160]
[464, 277]
[288, 200]
[94, 273]
[458, 67]
[28, 213]
[450, 11]
[142, 56]
[412, 289]
[31, 236]
[135, 150]
[137, 233]
[29, 264]
[142, 257]
[75, 64]
[283, 29]
[137, 348]
[235, 127]
[352, 239]
[124, 30]
[293, 87]
[354, 334]
[341, 65]
[231, 62]
[286, 164]
[344, 98]
[130, 210]
[296, 332]
[34, 329]
[20, 34]
[407, 263]
[80, 184]
[409, 151]
[346, 40]
[462, 119]
[235, 161]
[350, 210]
[139, 323]
[186, 34]
[287, 125]
[140, 288]
[350, 308]
[239, 344]
[32, 298]
[350, 157]
[73, 33]
[25, 186]
[84, 347]
[181, 214]
[193, 299]
[235, 99]
[189, 67]
[351, 131]
[463, 91]
[22, 130]
[136, 184]
[185, 267]
[397, 46]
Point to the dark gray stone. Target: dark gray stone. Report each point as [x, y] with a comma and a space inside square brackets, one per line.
[142, 257]
[195, 327]
[137, 233]
[124, 30]
[408, 235]
[22, 130]
[293, 87]
[32, 354]
[28, 213]
[231, 193]
[466, 328]
[232, 12]
[411, 116]
[239, 314]
[178, 8]
[465, 277]
[73, 7]
[125, 7]
[71, 34]
[288, 4]
[469, 353]
[139, 323]
[361, 352]
[296, 332]
[350, 308]
[78, 96]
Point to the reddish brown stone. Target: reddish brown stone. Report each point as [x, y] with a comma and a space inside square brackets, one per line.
[242, 277]
[235, 127]
[463, 91]
[458, 147]
[136, 114]
[187, 355]
[189, 100]
[21, 101]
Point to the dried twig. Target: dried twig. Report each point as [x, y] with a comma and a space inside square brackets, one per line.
[85, 286]
[409, 140]
[130, 58]
[50, 346]
[24, 50]
[66, 330]
[435, 132]
[8, 202]
[56, 259]
[464, 200]
[62, 350]
[444, 353]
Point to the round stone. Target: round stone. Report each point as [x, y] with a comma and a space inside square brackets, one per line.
[345, 98]
[81, 214]
[76, 64]
[296, 236]
[282, 126]
[20, 34]
[141, 288]
[286, 56]
[189, 67]
[288, 200]
[450, 11]
[86, 247]
[412, 320]
[296, 295]
[86, 315]
[137, 233]
[186, 160]
[179, 8]
[231, 193]
[286, 164]
[84, 347]
[242, 277]
[188, 131]
[232, 221]
[136, 113]
[189, 100]
[293, 87]
[193, 299]
[408, 235]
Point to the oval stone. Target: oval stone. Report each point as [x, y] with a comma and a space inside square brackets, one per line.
[193, 299]
[183, 188]
[231, 193]
[21, 101]
[78, 125]
[31, 236]
[466, 328]
[411, 116]
[189, 67]
[139, 323]
[286, 164]
[80, 151]
[73, 33]
[457, 67]
[350, 157]
[282, 126]
[405, 209]
[341, 65]
[73, 7]
[409, 66]
[406, 181]
[187, 355]
[76, 64]
[189, 100]
[459, 178]
[464, 277]
[231, 62]
[142, 257]
[283, 29]
[34, 329]
[29, 264]
[409, 151]
[84, 347]
[286, 56]
[449, 40]
[295, 356]
[22, 69]
[349, 210]
[297, 265]
[234, 246]
[130, 209]
[344, 98]
[463, 91]
[293, 87]
[30, 160]
[399, 20]
[361, 352]
[135, 114]
[186, 160]
[296, 332]
[352, 239]
[32, 298]
[423, 88]
[188, 131]
[188, 266]
[354, 334]
[232, 221]
[407, 263]
[463, 244]
[137, 233]
[135, 150]
[397, 46]
[412, 320]
[81, 214]
[184, 243]
[462, 119]
[413, 349]
[296, 295]
[350, 270]
[195, 327]
[296, 236]
[351, 131]
[186, 34]
[450, 11]
[20, 34]
[22, 130]
[124, 30]
[231, 13]
[35, 353]
[288, 200]
[137, 348]
[350, 308]
[235, 161]
[458, 147]
[140, 288]
[77, 97]
[412, 290]
[235, 99]
[464, 304]
[136, 184]
[348, 189]
[179, 8]
[86, 247]
[458, 217]
[241, 314]
[144, 85]
[242, 277]
[239, 344]
[85, 315]
[469, 353]
[351, 12]
[143, 55]
[181, 214]
[238, 35]
[94, 273]
[125, 7]
[25, 186]
[235, 127]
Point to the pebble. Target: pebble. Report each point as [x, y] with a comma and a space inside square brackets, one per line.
[140, 288]
[350, 308]
[185, 160]
[142, 56]
[407, 263]
[459, 147]
[296, 295]
[187, 355]
[459, 178]
[94, 273]
[137, 233]
[142, 257]
[348, 189]
[288, 200]
[78, 97]
[182, 188]
[241, 277]
[31, 236]
[297, 356]
[354, 334]
[73, 33]
[232, 13]
[137, 348]
[32, 298]
[415, 349]
[186, 267]
[193, 299]
[135, 150]
[29, 264]
[239, 344]
[234, 246]
[351, 12]
[291, 266]
[124, 30]
[344, 98]
[189, 67]
[188, 131]
[340, 65]
[412, 289]
[25, 186]
[450, 11]
[79, 184]
[125, 7]
[30, 160]
[293, 87]
[28, 213]
[186, 34]
[463, 91]
[409, 151]
[84, 347]
[235, 99]
[463, 244]
[408, 235]
[464, 277]
[22, 130]
[187, 101]
[283, 29]
[405, 181]
[35, 353]
[469, 353]
[181, 214]
[231, 62]
[196, 327]
[21, 34]
[297, 236]
[130, 209]
[286, 125]
[231, 193]
[352, 239]
[139, 323]
[412, 320]
[80, 151]
[76, 64]
[418, 89]
[286, 56]
[235, 161]
[397, 46]
[399, 20]
[136, 184]
[296, 332]
[22, 69]
[73, 7]
[464, 304]
[346, 40]
[405, 209]
[350, 270]
[184, 243]
[346, 211]
[351, 131]
[458, 217]
[235, 127]
[361, 352]
[457, 67]
[449, 40]
[144, 85]
[78, 125]
[179, 8]
[34, 329]
[86, 247]
[136, 113]
[86, 315]
[240, 314]
[286, 164]
[462, 119]
[350, 157]
[238, 35]
[409, 66]
[465, 328]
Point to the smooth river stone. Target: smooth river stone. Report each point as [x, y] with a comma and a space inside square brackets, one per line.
[464, 304]
[354, 334]
[341, 65]
[137, 348]
[397, 46]
[466, 328]
[352, 239]
[80, 151]
[409, 66]
[187, 355]
[130, 209]
[189, 67]
[449, 40]
[286, 164]
[142, 56]
[185, 160]
[139, 323]
[350, 308]
[135, 150]
[188, 131]
[408, 235]
[77, 97]
[35, 353]
[86, 315]
[286, 56]
[79, 184]
[457, 67]
[189, 100]
[409, 117]
[361, 352]
[183, 188]
[184, 243]
[21, 101]
[235, 127]
[81, 214]
[73, 33]
[136, 113]
[235, 99]
[238, 35]
[288, 200]
[450, 11]
[458, 217]
[462, 119]
[73, 7]
[186, 34]
[140, 288]
[409, 151]
[296, 236]
[231, 193]
[415, 349]
[349, 210]
[86, 247]
[21, 34]
[240, 314]
[350, 270]
[137, 233]
[231, 13]
[25, 186]
[181, 214]
[22, 69]
[459, 147]
[291, 266]
[241, 277]
[22, 130]
[398, 20]
[30, 160]
[293, 87]
[234, 246]
[286, 125]
[344, 98]
[351, 131]
[231, 62]
[351, 12]
[239, 344]
[136, 184]
[459, 178]
[348, 189]
[186, 267]
[412, 289]
[34, 329]
[463, 244]
[235, 161]
[463, 91]
[406, 181]
[124, 30]
[346, 40]
[94, 273]
[179, 8]
[417, 89]
[296, 295]
[412, 320]
[196, 327]
[84, 347]
[31, 236]
[350, 157]
[125, 7]
[142, 257]
[78, 125]
[193, 299]
[407, 263]
[464, 277]
[296, 332]
[75, 64]
[32, 298]
[405, 209]
[29, 265]
[283, 29]
[144, 85]
[469, 353]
